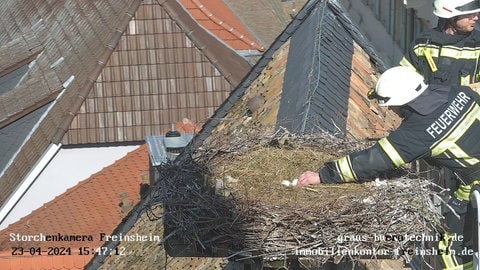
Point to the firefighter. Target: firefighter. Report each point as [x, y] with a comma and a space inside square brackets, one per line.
[441, 125]
[448, 54]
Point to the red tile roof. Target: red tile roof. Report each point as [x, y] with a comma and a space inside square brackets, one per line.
[9, 262]
[187, 126]
[90, 208]
[217, 17]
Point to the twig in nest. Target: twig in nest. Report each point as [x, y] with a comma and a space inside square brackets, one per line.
[273, 221]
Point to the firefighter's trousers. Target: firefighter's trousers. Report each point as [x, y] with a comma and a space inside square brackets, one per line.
[457, 247]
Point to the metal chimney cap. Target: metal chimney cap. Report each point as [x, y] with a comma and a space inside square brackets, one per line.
[174, 142]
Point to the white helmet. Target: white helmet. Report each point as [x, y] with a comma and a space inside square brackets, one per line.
[397, 86]
[451, 8]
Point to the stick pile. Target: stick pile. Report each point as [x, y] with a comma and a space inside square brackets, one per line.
[228, 199]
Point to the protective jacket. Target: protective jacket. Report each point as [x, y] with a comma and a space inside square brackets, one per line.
[445, 59]
[442, 125]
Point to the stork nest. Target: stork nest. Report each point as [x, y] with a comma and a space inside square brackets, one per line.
[228, 199]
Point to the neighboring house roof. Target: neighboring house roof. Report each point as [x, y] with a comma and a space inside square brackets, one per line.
[223, 23]
[266, 19]
[161, 71]
[94, 206]
[336, 59]
[66, 44]
[103, 72]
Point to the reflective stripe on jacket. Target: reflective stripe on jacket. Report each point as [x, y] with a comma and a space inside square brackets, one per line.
[445, 59]
[447, 137]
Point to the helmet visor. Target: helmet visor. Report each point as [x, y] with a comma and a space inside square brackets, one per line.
[472, 6]
[372, 94]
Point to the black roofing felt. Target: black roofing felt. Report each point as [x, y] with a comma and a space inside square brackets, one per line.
[10, 80]
[239, 91]
[12, 136]
[315, 89]
[316, 84]
[349, 26]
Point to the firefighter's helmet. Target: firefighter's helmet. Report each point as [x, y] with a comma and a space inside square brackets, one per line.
[452, 8]
[397, 86]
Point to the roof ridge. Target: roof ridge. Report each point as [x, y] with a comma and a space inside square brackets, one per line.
[226, 26]
[356, 33]
[76, 187]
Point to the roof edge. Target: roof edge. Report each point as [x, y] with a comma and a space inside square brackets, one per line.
[92, 77]
[16, 196]
[239, 91]
[25, 52]
[34, 106]
[356, 33]
[229, 65]
[218, 21]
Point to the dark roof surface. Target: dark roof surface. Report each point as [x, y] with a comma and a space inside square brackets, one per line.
[318, 76]
[65, 44]
[14, 134]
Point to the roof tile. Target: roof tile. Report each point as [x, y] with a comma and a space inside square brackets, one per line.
[89, 208]
[153, 79]
[220, 20]
[51, 33]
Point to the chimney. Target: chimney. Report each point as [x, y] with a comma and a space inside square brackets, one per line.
[174, 143]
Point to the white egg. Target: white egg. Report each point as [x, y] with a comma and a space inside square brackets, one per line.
[286, 183]
[294, 182]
